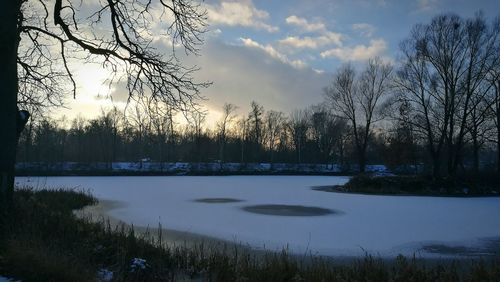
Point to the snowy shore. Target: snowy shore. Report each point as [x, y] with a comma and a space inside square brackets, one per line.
[429, 227]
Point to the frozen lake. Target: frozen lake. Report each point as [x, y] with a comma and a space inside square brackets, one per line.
[273, 212]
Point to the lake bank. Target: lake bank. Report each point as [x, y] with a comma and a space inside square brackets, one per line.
[443, 253]
[384, 226]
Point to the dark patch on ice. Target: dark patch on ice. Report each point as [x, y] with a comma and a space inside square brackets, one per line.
[489, 247]
[449, 250]
[331, 188]
[218, 200]
[288, 210]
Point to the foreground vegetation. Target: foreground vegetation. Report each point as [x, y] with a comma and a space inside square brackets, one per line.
[42, 240]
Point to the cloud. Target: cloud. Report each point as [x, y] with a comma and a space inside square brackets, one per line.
[243, 73]
[318, 71]
[304, 24]
[324, 37]
[241, 13]
[426, 5]
[328, 38]
[240, 74]
[357, 53]
[272, 52]
[364, 29]
[298, 42]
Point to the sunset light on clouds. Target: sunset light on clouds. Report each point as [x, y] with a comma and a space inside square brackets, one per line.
[278, 53]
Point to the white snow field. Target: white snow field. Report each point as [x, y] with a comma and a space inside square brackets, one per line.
[380, 225]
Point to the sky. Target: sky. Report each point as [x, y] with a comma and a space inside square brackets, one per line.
[282, 54]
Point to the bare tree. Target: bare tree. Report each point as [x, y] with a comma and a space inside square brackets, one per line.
[255, 119]
[161, 119]
[326, 131]
[109, 123]
[479, 126]
[298, 124]
[228, 117]
[481, 46]
[358, 99]
[242, 131]
[40, 40]
[418, 89]
[274, 123]
[196, 122]
[444, 67]
[77, 132]
[494, 80]
[137, 117]
[401, 142]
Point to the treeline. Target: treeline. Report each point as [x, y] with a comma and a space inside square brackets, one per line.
[438, 106]
[312, 135]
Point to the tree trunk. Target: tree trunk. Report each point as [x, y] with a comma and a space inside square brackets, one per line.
[436, 168]
[341, 152]
[475, 146]
[497, 110]
[242, 151]
[9, 41]
[362, 155]
[449, 159]
[299, 157]
[498, 150]
[362, 162]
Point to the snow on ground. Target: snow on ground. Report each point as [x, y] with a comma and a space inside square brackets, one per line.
[380, 225]
[5, 279]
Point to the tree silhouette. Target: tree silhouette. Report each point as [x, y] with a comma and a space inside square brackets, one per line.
[444, 68]
[223, 125]
[40, 40]
[358, 98]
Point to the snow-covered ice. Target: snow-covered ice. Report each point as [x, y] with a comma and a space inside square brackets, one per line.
[380, 225]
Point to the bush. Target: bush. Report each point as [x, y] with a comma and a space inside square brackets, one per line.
[422, 185]
[387, 184]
